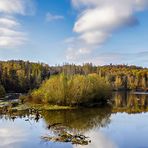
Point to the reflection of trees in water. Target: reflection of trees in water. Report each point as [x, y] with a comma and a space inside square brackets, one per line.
[130, 102]
[11, 116]
[79, 120]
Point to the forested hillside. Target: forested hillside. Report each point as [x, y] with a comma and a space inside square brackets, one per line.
[121, 77]
[125, 77]
[22, 76]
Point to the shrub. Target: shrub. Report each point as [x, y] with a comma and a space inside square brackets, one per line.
[72, 90]
[23, 98]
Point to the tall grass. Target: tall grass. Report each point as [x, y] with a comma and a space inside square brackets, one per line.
[72, 90]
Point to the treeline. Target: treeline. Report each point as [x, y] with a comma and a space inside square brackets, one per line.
[124, 77]
[22, 76]
[121, 77]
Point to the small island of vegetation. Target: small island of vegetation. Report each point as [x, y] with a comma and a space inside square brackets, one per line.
[72, 90]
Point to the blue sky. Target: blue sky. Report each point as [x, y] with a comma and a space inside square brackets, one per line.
[75, 31]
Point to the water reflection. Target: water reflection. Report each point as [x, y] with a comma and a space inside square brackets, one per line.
[106, 127]
[130, 102]
[10, 136]
[80, 120]
[73, 121]
[99, 140]
[128, 130]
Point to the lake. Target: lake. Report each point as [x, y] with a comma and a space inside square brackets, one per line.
[123, 125]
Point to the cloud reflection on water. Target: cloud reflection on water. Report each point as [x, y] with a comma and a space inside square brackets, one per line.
[12, 136]
[98, 140]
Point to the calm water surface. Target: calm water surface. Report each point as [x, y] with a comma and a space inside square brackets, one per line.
[125, 125]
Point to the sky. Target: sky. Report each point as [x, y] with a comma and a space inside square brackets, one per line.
[75, 31]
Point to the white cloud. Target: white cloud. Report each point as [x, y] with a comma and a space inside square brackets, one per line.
[94, 37]
[9, 22]
[13, 6]
[135, 4]
[22, 7]
[104, 19]
[10, 42]
[102, 58]
[73, 53]
[51, 17]
[112, 57]
[11, 38]
[11, 33]
[99, 19]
